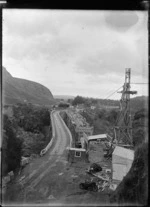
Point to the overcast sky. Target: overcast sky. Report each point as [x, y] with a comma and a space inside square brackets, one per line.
[77, 52]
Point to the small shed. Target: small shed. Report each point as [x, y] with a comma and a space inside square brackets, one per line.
[77, 155]
[97, 137]
[122, 159]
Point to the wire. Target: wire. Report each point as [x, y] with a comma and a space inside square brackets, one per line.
[113, 93]
[139, 83]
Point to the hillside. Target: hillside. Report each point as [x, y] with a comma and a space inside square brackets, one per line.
[133, 190]
[136, 103]
[16, 90]
[64, 97]
[26, 131]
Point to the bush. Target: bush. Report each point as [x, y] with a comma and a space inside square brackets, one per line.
[140, 127]
[78, 100]
[31, 118]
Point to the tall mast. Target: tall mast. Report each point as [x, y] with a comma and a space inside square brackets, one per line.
[123, 128]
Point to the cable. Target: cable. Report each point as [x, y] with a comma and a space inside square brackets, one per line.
[136, 72]
[138, 83]
[113, 93]
[109, 92]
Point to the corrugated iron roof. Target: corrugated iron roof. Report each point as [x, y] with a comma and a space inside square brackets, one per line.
[77, 149]
[98, 136]
[123, 152]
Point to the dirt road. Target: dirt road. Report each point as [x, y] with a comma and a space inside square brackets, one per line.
[33, 175]
[51, 179]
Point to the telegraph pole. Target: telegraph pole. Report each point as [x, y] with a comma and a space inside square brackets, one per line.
[123, 127]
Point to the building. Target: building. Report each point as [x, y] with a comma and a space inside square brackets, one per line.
[93, 107]
[101, 137]
[84, 129]
[85, 140]
[77, 155]
[122, 159]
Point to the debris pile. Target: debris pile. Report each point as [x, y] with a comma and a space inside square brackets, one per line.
[100, 181]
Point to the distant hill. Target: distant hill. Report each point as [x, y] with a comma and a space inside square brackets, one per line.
[65, 97]
[138, 103]
[16, 90]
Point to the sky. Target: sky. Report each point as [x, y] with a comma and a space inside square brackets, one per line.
[77, 52]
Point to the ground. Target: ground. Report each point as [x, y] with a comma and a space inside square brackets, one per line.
[52, 180]
[62, 184]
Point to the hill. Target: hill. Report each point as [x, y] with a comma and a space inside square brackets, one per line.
[64, 97]
[16, 90]
[138, 103]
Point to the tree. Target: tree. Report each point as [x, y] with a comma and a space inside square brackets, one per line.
[64, 105]
[78, 100]
[11, 147]
[112, 116]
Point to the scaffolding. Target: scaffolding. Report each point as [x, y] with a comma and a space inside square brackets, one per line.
[123, 127]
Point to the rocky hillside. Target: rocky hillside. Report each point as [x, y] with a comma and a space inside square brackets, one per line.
[16, 90]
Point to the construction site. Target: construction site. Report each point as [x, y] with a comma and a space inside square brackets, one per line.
[79, 166]
[109, 158]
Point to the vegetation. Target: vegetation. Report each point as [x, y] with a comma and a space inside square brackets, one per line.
[136, 103]
[101, 119]
[140, 127]
[93, 101]
[11, 147]
[30, 118]
[26, 132]
[63, 105]
[134, 187]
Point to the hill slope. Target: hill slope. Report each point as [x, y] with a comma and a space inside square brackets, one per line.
[65, 97]
[16, 90]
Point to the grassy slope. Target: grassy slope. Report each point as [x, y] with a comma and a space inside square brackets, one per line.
[17, 90]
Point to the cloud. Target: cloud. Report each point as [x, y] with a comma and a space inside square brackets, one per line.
[121, 21]
[52, 48]
[74, 52]
[30, 23]
[112, 60]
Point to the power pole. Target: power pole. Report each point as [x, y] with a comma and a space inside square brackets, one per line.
[123, 128]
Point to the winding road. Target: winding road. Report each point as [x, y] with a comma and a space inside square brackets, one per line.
[37, 179]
